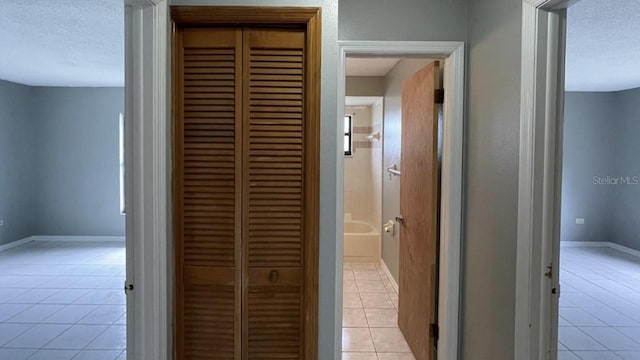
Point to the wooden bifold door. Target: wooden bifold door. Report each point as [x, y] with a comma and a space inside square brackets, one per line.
[245, 194]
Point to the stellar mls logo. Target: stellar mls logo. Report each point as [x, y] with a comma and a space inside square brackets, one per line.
[613, 180]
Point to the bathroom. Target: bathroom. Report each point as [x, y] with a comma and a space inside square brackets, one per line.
[373, 264]
[363, 179]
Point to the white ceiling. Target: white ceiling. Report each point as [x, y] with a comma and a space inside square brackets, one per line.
[81, 43]
[370, 66]
[603, 45]
[361, 100]
[62, 42]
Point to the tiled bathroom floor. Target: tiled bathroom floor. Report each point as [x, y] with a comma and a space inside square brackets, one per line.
[599, 304]
[62, 300]
[370, 316]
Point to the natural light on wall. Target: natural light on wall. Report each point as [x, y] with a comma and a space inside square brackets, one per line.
[121, 157]
[348, 135]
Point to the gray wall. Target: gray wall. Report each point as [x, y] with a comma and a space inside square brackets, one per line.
[364, 86]
[59, 167]
[77, 162]
[588, 151]
[492, 29]
[17, 155]
[491, 179]
[403, 20]
[627, 199]
[600, 140]
[391, 153]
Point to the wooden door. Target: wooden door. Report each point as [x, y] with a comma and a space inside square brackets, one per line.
[207, 193]
[274, 194]
[419, 209]
[246, 185]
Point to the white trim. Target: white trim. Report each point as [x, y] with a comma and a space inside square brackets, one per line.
[542, 80]
[449, 295]
[387, 272]
[84, 238]
[524, 342]
[584, 244]
[147, 193]
[606, 244]
[13, 244]
[623, 249]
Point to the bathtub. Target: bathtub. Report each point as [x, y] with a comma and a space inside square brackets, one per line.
[361, 242]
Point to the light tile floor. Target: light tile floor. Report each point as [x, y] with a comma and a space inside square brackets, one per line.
[599, 305]
[370, 316]
[63, 300]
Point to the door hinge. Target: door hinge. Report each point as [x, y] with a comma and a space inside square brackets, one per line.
[127, 287]
[434, 331]
[439, 96]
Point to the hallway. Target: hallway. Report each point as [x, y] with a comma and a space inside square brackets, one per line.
[370, 316]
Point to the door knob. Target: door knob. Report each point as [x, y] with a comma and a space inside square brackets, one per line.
[274, 276]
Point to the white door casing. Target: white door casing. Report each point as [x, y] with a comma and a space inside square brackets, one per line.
[451, 172]
[147, 160]
[541, 121]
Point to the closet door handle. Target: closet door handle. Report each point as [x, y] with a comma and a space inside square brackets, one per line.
[274, 276]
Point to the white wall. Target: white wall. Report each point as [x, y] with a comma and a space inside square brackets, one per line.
[377, 122]
[359, 194]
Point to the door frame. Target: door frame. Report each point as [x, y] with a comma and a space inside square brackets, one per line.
[307, 18]
[451, 191]
[540, 178]
[147, 189]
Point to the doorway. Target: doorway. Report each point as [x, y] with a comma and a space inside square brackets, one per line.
[64, 256]
[375, 276]
[599, 252]
[576, 293]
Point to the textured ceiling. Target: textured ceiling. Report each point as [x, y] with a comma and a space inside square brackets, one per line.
[603, 45]
[62, 42]
[369, 66]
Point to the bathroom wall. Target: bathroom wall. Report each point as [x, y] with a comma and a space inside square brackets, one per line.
[391, 155]
[362, 174]
[377, 121]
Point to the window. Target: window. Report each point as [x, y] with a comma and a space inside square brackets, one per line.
[348, 135]
[121, 156]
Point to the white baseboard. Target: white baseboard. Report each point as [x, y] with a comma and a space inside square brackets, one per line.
[584, 244]
[16, 243]
[607, 244]
[76, 238]
[388, 273]
[625, 249]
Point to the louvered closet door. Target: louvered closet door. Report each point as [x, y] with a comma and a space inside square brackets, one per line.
[273, 206]
[208, 186]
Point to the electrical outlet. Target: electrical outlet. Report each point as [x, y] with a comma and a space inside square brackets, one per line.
[580, 221]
